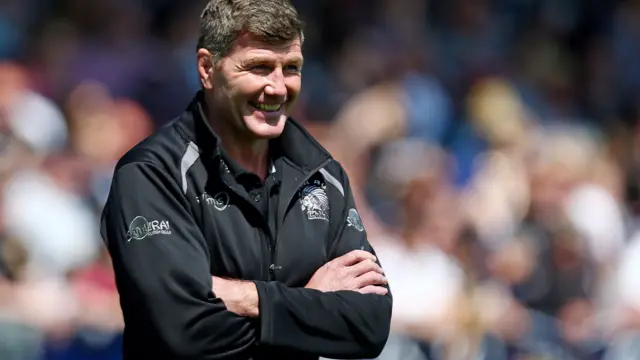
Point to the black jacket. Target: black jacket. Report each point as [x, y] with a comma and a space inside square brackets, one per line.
[172, 221]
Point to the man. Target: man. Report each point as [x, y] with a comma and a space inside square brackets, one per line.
[233, 233]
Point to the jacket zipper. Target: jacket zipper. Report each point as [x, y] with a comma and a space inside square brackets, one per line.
[266, 236]
[274, 250]
[271, 258]
[270, 247]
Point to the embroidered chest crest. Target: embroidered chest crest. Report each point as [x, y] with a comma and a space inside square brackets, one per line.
[314, 200]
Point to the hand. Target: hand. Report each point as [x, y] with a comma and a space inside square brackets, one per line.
[355, 271]
[240, 297]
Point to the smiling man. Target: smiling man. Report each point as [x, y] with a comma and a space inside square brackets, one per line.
[233, 233]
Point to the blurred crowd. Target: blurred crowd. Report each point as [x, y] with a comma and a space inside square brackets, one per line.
[493, 147]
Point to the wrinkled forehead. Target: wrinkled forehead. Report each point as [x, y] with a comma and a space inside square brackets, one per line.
[247, 43]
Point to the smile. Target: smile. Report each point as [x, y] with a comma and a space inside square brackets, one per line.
[266, 107]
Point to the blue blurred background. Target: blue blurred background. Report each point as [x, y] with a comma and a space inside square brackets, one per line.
[493, 147]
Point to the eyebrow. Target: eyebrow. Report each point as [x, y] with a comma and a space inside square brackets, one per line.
[295, 60]
[262, 60]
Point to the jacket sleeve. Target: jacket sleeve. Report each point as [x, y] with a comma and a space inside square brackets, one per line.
[341, 324]
[162, 269]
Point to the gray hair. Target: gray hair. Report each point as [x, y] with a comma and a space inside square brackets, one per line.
[221, 21]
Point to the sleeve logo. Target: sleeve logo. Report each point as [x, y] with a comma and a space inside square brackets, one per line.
[140, 228]
[353, 220]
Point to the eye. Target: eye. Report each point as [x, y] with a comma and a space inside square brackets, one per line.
[293, 69]
[260, 68]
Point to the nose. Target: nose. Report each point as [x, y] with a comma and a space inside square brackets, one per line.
[276, 85]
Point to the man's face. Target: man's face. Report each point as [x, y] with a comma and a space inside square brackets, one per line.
[256, 85]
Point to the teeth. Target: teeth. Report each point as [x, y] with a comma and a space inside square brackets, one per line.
[267, 107]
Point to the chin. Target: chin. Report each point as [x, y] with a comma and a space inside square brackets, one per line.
[265, 128]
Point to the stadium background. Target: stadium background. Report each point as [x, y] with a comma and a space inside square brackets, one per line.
[493, 147]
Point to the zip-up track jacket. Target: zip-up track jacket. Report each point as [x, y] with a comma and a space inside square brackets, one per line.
[170, 223]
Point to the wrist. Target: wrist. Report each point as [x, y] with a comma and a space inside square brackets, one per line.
[239, 296]
[249, 300]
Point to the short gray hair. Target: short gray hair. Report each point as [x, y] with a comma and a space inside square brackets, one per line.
[273, 21]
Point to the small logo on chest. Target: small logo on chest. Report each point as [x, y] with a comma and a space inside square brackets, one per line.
[314, 200]
[354, 220]
[220, 201]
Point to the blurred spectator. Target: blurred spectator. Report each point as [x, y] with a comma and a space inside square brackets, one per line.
[422, 242]
[32, 118]
[56, 243]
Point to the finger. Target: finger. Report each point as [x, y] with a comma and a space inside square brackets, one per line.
[370, 278]
[354, 257]
[364, 267]
[371, 289]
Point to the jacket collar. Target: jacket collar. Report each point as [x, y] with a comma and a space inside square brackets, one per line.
[296, 144]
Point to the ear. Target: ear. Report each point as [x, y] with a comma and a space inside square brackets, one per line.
[205, 68]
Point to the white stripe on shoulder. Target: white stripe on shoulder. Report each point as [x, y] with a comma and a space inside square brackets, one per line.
[332, 180]
[188, 159]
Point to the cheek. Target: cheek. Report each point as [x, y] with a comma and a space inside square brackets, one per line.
[247, 86]
[234, 88]
[293, 85]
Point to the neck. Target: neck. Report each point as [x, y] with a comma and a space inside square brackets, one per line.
[250, 153]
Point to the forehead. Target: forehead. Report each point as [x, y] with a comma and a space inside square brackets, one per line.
[248, 45]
